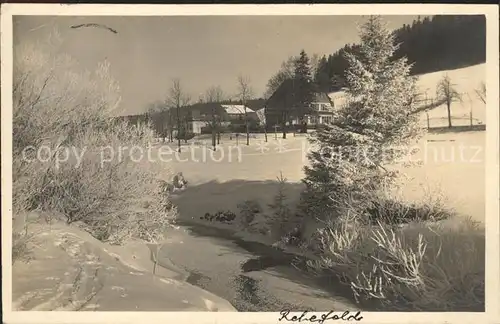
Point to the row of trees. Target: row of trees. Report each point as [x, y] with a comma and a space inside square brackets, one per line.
[172, 113]
[430, 44]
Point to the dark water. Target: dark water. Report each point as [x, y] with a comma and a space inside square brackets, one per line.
[266, 256]
[196, 278]
[247, 294]
[250, 288]
[243, 290]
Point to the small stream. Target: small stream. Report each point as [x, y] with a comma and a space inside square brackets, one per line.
[252, 276]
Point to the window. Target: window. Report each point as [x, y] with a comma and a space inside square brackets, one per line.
[327, 119]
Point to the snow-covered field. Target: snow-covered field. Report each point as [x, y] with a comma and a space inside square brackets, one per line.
[453, 163]
[453, 166]
[466, 81]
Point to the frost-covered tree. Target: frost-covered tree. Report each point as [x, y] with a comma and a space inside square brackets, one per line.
[367, 133]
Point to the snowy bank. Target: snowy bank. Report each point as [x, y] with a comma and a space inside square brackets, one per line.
[67, 269]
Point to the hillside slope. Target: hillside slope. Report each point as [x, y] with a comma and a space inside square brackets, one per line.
[466, 81]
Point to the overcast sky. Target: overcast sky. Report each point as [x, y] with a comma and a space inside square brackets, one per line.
[202, 51]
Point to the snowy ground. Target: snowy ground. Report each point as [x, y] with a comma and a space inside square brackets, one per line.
[89, 275]
[453, 165]
[453, 162]
[217, 263]
[466, 81]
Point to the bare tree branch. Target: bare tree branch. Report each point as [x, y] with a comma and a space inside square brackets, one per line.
[214, 94]
[177, 99]
[481, 92]
[286, 71]
[446, 91]
[245, 93]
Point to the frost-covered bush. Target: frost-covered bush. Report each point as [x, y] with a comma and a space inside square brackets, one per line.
[423, 266]
[248, 210]
[68, 111]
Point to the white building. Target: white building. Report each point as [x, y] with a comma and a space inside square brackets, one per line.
[237, 112]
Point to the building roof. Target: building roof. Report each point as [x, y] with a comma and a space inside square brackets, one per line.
[236, 109]
[205, 108]
[255, 104]
[321, 97]
[284, 95]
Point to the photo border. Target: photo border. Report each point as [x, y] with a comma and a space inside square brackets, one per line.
[492, 302]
